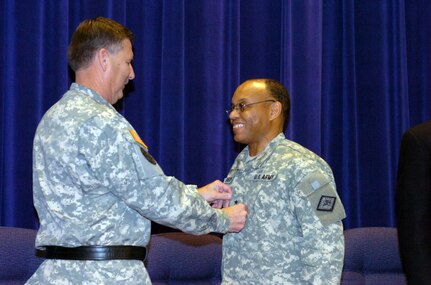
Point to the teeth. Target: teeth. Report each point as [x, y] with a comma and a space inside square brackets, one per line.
[236, 126]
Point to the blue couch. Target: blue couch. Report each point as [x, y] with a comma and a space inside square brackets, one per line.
[17, 255]
[173, 258]
[179, 258]
[371, 257]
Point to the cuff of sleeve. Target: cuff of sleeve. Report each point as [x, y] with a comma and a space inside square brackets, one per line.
[222, 222]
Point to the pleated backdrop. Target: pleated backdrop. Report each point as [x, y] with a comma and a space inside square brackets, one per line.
[358, 73]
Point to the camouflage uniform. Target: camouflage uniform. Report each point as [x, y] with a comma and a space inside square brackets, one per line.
[95, 184]
[293, 233]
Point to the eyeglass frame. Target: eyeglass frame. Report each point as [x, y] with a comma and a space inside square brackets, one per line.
[241, 106]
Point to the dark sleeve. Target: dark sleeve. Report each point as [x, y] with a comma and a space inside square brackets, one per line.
[413, 207]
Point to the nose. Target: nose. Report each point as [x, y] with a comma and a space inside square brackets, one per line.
[131, 73]
[233, 114]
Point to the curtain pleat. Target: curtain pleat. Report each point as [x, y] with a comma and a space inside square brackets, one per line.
[358, 73]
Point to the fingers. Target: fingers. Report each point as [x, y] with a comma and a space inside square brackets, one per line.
[222, 196]
[221, 187]
[217, 194]
[216, 190]
[217, 204]
[237, 215]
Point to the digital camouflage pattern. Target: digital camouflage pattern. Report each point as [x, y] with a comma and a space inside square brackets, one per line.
[293, 234]
[94, 183]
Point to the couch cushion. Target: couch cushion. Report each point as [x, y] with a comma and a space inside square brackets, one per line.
[180, 258]
[17, 255]
[372, 257]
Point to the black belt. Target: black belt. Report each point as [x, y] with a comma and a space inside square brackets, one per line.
[96, 252]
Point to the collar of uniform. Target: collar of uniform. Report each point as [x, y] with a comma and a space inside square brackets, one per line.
[91, 93]
[260, 159]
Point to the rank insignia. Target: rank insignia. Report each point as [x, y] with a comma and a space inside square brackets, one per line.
[326, 203]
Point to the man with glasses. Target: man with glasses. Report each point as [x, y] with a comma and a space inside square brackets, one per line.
[294, 233]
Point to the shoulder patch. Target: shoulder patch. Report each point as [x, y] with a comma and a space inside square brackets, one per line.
[148, 156]
[138, 139]
[326, 203]
[323, 197]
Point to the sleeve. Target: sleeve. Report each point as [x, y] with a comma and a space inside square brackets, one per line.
[319, 212]
[119, 163]
[413, 208]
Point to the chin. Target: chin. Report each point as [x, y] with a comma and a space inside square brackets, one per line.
[238, 139]
[118, 98]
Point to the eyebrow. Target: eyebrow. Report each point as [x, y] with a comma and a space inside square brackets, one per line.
[243, 100]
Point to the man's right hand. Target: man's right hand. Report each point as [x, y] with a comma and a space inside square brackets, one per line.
[237, 215]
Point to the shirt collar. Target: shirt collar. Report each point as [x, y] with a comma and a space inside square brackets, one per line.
[259, 159]
[91, 93]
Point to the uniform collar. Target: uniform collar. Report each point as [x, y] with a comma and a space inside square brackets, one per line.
[259, 159]
[90, 93]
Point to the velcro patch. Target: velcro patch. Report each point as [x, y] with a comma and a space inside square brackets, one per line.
[322, 195]
[326, 203]
[315, 184]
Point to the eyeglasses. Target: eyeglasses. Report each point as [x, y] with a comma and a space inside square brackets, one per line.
[241, 107]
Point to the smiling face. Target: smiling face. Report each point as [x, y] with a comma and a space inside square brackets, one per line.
[120, 71]
[254, 125]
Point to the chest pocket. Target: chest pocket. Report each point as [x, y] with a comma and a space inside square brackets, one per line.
[263, 198]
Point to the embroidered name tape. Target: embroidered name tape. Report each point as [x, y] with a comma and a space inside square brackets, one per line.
[263, 176]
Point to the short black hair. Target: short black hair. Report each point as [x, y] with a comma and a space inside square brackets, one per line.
[280, 93]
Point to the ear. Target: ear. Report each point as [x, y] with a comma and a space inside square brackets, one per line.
[275, 110]
[103, 58]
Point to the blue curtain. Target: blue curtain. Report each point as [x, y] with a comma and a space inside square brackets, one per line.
[357, 71]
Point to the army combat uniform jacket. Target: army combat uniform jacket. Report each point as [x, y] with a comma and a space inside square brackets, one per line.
[94, 183]
[293, 234]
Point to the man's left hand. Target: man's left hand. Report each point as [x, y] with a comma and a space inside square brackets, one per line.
[217, 194]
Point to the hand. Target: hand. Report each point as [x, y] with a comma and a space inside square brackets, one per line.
[237, 215]
[216, 193]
